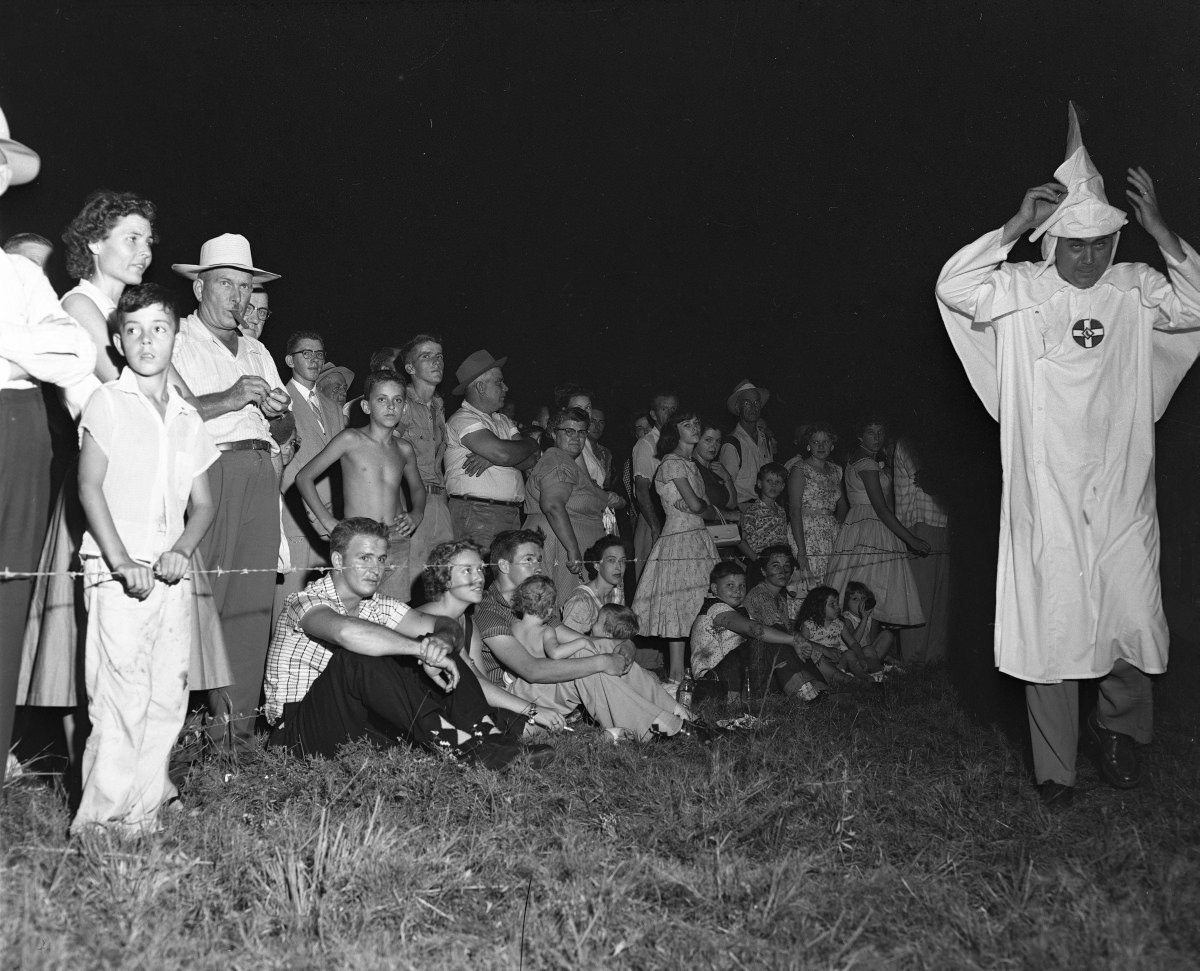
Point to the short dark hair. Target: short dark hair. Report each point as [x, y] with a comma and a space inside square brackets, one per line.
[779, 549]
[296, 336]
[437, 567]
[14, 243]
[504, 546]
[620, 621]
[347, 529]
[381, 376]
[101, 211]
[138, 298]
[661, 394]
[412, 344]
[594, 553]
[385, 357]
[668, 436]
[535, 595]
[726, 568]
[772, 468]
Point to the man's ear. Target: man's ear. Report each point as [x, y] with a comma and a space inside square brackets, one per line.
[197, 287]
[503, 565]
[116, 342]
[337, 560]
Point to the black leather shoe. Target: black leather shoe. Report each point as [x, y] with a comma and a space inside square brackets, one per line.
[1054, 795]
[1116, 755]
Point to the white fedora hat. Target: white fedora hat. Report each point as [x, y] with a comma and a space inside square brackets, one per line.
[22, 160]
[228, 249]
[742, 389]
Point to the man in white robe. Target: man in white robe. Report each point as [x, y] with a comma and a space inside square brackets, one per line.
[1077, 358]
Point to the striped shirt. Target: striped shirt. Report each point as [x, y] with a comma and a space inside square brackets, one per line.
[493, 617]
[208, 368]
[295, 660]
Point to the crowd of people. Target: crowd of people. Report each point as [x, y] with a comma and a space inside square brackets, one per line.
[392, 567]
[263, 544]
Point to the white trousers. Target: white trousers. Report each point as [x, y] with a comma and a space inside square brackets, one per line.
[136, 670]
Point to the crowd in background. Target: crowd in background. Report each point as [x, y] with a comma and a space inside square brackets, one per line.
[800, 576]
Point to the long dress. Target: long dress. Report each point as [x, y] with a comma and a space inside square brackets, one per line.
[585, 509]
[55, 632]
[867, 551]
[822, 490]
[674, 582]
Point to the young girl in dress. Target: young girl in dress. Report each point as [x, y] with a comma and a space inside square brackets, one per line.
[858, 611]
[839, 655]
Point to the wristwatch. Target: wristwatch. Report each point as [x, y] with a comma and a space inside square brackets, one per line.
[531, 711]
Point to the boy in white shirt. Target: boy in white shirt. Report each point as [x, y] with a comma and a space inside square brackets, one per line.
[143, 454]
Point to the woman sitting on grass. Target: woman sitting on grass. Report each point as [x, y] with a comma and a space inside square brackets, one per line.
[767, 603]
[453, 578]
[723, 625]
[604, 561]
[533, 607]
[840, 657]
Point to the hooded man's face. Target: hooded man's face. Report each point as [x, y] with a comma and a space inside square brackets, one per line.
[1081, 262]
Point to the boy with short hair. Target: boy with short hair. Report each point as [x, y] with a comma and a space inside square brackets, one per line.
[374, 460]
[143, 456]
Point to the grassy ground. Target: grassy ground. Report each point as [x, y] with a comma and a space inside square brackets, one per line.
[876, 832]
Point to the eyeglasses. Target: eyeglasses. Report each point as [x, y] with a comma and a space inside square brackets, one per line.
[310, 355]
[262, 314]
[571, 432]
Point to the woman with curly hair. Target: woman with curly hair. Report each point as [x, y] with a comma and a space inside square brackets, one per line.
[108, 248]
[454, 579]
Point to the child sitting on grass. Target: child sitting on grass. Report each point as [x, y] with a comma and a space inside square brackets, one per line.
[839, 656]
[858, 608]
[144, 454]
[533, 604]
[722, 626]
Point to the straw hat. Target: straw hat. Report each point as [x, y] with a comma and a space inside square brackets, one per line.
[741, 389]
[329, 368]
[23, 161]
[229, 249]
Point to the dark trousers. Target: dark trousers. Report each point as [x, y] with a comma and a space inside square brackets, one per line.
[387, 699]
[243, 535]
[25, 457]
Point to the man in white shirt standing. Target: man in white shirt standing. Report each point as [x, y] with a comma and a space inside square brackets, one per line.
[485, 455]
[238, 394]
[38, 342]
[317, 420]
[746, 449]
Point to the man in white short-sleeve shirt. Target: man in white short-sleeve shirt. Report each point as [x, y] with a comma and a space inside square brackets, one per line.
[239, 395]
[485, 455]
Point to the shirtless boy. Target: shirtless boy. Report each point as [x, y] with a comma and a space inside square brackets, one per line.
[373, 462]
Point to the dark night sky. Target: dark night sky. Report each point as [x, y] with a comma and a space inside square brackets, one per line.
[622, 194]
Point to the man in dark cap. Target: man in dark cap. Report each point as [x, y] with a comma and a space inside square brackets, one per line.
[485, 455]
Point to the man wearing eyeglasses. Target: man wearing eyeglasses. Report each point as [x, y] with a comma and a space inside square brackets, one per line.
[317, 420]
[256, 314]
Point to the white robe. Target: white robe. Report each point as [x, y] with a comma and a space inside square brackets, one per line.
[1077, 584]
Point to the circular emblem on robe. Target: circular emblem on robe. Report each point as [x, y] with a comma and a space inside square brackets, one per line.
[1087, 333]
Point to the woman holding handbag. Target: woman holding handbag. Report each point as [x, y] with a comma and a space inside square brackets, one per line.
[675, 579]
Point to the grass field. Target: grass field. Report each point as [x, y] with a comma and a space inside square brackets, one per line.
[879, 831]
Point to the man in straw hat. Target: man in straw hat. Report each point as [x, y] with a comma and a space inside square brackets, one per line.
[38, 342]
[1077, 357]
[239, 395]
[485, 455]
[746, 449]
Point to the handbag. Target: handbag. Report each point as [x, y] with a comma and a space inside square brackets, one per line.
[708, 687]
[724, 533]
